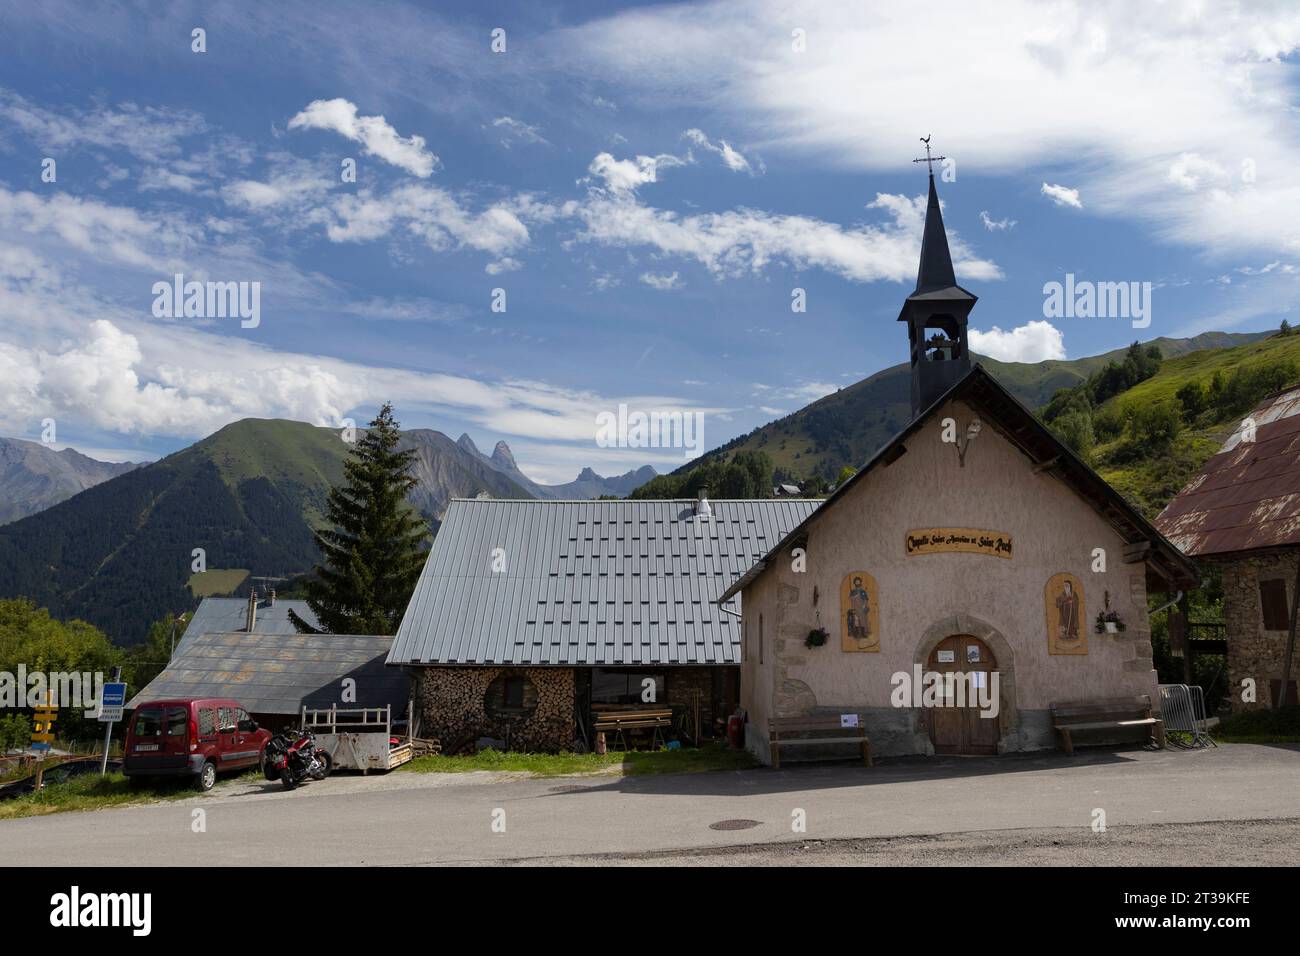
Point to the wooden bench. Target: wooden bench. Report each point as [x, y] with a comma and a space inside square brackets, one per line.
[824, 728]
[1114, 713]
[618, 721]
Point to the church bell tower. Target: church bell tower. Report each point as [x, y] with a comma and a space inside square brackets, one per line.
[936, 312]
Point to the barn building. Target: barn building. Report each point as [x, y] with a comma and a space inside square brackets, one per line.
[530, 615]
[973, 542]
[1241, 513]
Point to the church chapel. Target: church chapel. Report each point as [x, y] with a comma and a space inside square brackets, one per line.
[974, 541]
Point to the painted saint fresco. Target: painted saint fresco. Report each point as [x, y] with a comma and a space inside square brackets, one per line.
[859, 613]
[1067, 631]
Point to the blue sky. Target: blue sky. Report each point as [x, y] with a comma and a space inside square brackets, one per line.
[647, 184]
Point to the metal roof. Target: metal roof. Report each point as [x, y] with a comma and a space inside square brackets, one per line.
[1005, 413]
[587, 582]
[281, 673]
[1248, 495]
[229, 614]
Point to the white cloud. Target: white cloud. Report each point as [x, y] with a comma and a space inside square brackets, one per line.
[663, 282]
[144, 131]
[504, 264]
[1108, 94]
[514, 131]
[430, 213]
[1035, 341]
[1191, 170]
[374, 133]
[747, 240]
[1062, 195]
[623, 177]
[995, 225]
[731, 158]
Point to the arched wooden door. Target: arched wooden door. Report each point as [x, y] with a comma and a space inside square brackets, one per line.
[961, 730]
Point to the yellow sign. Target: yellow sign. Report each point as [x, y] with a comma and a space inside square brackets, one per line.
[966, 540]
[859, 613]
[1067, 624]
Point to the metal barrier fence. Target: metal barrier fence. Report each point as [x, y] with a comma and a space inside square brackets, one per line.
[1182, 707]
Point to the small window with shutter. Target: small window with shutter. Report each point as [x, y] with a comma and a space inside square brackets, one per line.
[1272, 598]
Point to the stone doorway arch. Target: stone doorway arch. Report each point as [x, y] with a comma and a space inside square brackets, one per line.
[957, 624]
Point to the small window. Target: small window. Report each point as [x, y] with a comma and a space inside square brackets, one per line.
[1272, 599]
[514, 692]
[226, 719]
[148, 722]
[207, 722]
[178, 721]
[609, 686]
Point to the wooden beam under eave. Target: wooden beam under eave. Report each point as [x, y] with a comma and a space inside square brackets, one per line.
[1136, 551]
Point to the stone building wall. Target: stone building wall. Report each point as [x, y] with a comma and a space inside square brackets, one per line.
[926, 598]
[1252, 651]
[452, 702]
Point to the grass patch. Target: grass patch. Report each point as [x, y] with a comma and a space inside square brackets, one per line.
[632, 763]
[89, 792]
[217, 581]
[93, 792]
[1280, 726]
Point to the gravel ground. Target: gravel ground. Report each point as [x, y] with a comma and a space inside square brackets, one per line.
[1231, 843]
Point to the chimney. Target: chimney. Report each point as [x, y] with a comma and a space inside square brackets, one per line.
[702, 509]
[251, 619]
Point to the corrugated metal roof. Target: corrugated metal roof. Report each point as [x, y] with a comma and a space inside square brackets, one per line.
[1248, 495]
[587, 582]
[281, 673]
[229, 614]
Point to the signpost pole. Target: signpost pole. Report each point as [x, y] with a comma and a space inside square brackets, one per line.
[108, 724]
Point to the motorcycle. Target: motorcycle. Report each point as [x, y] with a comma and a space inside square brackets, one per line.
[293, 757]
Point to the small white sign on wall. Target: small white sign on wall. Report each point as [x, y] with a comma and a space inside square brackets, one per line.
[848, 720]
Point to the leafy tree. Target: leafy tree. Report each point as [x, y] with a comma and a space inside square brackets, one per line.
[15, 732]
[1285, 327]
[374, 553]
[31, 637]
[1075, 429]
[1154, 427]
[845, 474]
[1192, 398]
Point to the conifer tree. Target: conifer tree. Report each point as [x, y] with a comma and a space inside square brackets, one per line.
[374, 554]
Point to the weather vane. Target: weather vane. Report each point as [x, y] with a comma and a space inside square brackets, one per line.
[929, 160]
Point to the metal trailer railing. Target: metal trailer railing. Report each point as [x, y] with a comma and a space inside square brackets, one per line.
[1182, 707]
[358, 738]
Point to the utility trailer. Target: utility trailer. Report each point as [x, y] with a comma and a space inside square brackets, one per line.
[358, 738]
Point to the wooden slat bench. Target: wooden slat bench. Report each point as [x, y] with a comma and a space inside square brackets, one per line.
[824, 728]
[1113, 713]
[618, 721]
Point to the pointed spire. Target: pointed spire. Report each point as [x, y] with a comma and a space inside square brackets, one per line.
[935, 271]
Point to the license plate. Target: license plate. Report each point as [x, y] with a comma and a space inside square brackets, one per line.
[139, 747]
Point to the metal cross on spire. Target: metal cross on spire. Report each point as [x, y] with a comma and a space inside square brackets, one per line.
[929, 160]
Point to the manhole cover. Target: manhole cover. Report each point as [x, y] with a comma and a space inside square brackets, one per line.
[733, 824]
[570, 788]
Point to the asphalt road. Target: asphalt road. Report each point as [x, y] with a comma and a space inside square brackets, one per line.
[1234, 804]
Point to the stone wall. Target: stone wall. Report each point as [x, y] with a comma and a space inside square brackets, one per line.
[1252, 651]
[928, 597]
[452, 707]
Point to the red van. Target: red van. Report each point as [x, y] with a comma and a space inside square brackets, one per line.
[196, 738]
